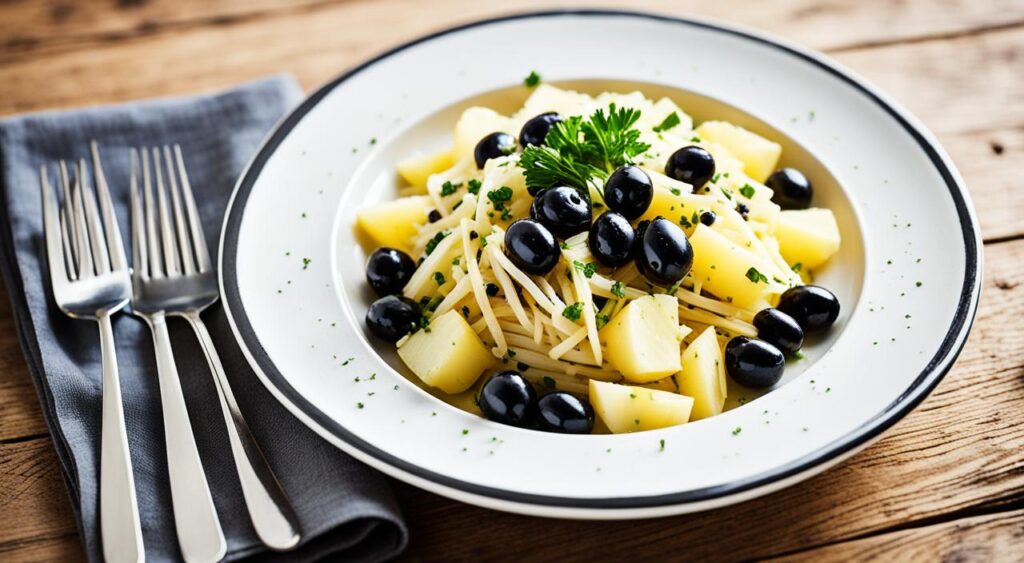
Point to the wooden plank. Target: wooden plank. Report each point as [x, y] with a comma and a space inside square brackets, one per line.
[993, 537]
[20, 414]
[66, 549]
[958, 451]
[927, 76]
[33, 498]
[53, 25]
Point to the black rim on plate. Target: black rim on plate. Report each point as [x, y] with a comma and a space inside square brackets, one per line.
[922, 385]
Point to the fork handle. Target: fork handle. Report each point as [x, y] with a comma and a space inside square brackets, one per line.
[119, 511]
[195, 516]
[272, 515]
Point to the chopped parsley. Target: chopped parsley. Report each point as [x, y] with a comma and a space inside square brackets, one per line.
[305, 263]
[360, 405]
[669, 122]
[736, 431]
[588, 269]
[532, 80]
[573, 312]
[577, 149]
[474, 186]
[439, 278]
[602, 320]
[548, 382]
[676, 191]
[747, 190]
[448, 188]
[661, 448]
[499, 198]
[619, 290]
[756, 276]
[465, 431]
[797, 267]
[433, 242]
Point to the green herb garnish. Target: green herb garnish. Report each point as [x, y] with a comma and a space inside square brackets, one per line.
[619, 290]
[756, 276]
[474, 186]
[439, 278]
[448, 188]
[433, 242]
[532, 80]
[573, 312]
[747, 190]
[669, 122]
[588, 268]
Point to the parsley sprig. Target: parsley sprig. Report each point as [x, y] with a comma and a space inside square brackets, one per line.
[577, 150]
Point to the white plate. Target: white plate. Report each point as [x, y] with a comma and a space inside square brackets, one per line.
[292, 271]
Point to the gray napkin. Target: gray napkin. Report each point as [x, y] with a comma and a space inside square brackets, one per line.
[344, 508]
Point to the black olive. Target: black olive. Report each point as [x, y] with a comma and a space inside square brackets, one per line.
[790, 188]
[813, 307]
[754, 363]
[629, 191]
[664, 254]
[509, 399]
[562, 210]
[388, 270]
[391, 317]
[708, 218]
[492, 289]
[612, 240]
[779, 330]
[434, 216]
[493, 146]
[692, 165]
[531, 247]
[536, 129]
[564, 413]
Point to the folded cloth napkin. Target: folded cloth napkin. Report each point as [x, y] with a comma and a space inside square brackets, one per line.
[345, 509]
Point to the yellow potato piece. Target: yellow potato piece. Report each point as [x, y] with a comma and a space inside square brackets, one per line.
[643, 339]
[394, 223]
[722, 268]
[808, 236]
[417, 169]
[703, 375]
[450, 356]
[475, 124]
[759, 155]
[625, 408]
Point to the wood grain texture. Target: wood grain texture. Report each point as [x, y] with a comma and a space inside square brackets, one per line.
[33, 27]
[958, 451]
[927, 76]
[995, 537]
[946, 483]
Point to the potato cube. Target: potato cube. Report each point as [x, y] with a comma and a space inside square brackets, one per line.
[625, 408]
[643, 338]
[759, 155]
[394, 223]
[730, 272]
[808, 236]
[703, 375]
[417, 169]
[450, 356]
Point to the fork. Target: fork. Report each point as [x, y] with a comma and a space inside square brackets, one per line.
[170, 240]
[200, 536]
[89, 278]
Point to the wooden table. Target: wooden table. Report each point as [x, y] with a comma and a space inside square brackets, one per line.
[947, 482]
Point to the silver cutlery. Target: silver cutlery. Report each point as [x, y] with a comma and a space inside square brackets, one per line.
[195, 517]
[89, 278]
[171, 242]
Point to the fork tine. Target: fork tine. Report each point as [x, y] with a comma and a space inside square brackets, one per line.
[100, 257]
[140, 264]
[51, 225]
[66, 210]
[115, 246]
[155, 263]
[85, 266]
[66, 240]
[194, 220]
[184, 244]
[166, 235]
